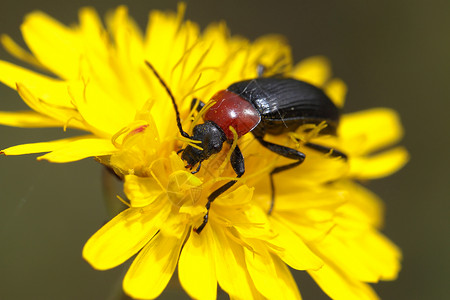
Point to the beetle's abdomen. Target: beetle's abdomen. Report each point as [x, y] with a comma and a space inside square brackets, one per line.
[286, 103]
[232, 110]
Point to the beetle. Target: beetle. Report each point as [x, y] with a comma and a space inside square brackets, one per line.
[271, 105]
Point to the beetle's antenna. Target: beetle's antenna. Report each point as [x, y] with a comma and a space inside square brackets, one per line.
[182, 132]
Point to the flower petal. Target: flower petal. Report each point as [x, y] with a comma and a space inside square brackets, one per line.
[27, 118]
[66, 115]
[94, 34]
[43, 146]
[141, 191]
[347, 255]
[54, 45]
[367, 131]
[315, 70]
[261, 267]
[385, 256]
[362, 210]
[124, 235]
[290, 289]
[317, 168]
[380, 165]
[338, 286]
[336, 90]
[48, 90]
[80, 149]
[196, 268]
[231, 269]
[153, 267]
[106, 114]
[294, 251]
[18, 52]
[272, 52]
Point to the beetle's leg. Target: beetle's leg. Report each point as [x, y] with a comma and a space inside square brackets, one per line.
[283, 151]
[198, 168]
[199, 103]
[324, 149]
[237, 162]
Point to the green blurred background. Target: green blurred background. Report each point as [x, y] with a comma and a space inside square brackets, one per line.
[390, 53]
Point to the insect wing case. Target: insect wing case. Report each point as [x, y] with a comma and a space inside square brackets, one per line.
[286, 103]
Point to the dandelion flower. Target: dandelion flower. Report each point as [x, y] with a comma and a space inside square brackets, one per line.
[323, 222]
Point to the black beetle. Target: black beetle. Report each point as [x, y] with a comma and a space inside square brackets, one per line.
[272, 105]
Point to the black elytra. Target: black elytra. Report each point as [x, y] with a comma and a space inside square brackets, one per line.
[272, 105]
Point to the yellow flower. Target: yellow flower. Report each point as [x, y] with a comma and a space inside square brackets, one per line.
[323, 222]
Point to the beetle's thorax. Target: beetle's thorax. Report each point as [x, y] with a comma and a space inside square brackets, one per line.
[232, 110]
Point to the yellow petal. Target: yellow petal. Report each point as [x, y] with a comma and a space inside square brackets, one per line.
[367, 131]
[231, 270]
[354, 246]
[262, 270]
[196, 268]
[117, 71]
[161, 31]
[106, 114]
[385, 255]
[379, 255]
[380, 165]
[261, 267]
[27, 118]
[124, 235]
[272, 52]
[128, 39]
[43, 146]
[94, 34]
[141, 191]
[18, 52]
[80, 149]
[294, 251]
[237, 198]
[315, 70]
[49, 90]
[317, 168]
[54, 45]
[337, 286]
[346, 253]
[290, 289]
[63, 114]
[336, 89]
[363, 209]
[129, 52]
[235, 209]
[250, 221]
[303, 198]
[153, 267]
